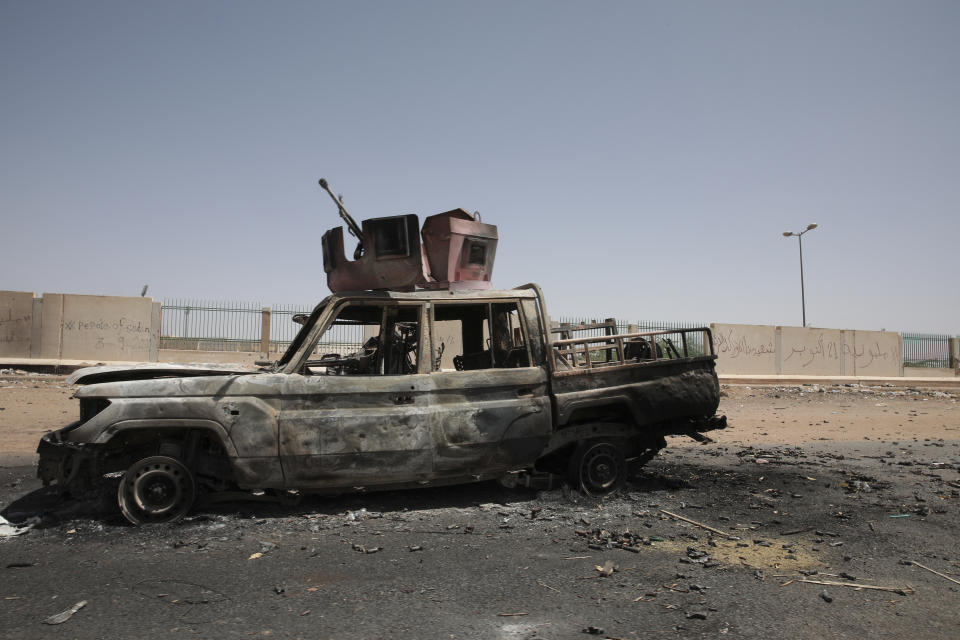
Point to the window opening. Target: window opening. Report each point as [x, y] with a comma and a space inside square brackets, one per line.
[368, 340]
[478, 336]
[477, 254]
[390, 236]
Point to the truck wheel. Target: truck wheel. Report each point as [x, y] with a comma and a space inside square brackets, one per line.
[156, 489]
[598, 467]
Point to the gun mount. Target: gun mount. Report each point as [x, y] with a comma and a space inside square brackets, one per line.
[457, 252]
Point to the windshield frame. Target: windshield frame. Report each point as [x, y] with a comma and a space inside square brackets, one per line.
[303, 335]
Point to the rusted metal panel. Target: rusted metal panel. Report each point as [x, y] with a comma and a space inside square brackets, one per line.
[484, 420]
[391, 258]
[343, 431]
[460, 251]
[653, 392]
[457, 252]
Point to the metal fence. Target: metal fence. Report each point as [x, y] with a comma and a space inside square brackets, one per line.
[926, 350]
[282, 327]
[204, 325]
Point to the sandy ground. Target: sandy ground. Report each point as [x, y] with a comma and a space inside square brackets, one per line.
[32, 404]
[809, 493]
[795, 415]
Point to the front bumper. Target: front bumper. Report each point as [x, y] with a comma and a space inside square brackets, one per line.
[60, 460]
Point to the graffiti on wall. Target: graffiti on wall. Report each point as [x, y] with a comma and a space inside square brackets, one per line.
[740, 345]
[873, 354]
[15, 327]
[118, 334]
[807, 353]
[859, 356]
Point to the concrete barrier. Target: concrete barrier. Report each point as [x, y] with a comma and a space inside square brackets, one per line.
[811, 352]
[745, 348]
[928, 372]
[16, 323]
[877, 353]
[99, 327]
[806, 351]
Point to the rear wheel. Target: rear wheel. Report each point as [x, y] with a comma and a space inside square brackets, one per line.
[156, 489]
[598, 467]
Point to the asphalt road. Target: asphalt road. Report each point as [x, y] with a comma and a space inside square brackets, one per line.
[481, 561]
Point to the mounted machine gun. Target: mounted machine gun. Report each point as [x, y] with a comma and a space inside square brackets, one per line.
[457, 252]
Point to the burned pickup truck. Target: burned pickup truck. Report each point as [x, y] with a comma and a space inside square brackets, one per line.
[390, 389]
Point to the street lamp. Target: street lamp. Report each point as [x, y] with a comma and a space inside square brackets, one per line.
[787, 234]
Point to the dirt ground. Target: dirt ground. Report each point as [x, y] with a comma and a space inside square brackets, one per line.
[810, 492]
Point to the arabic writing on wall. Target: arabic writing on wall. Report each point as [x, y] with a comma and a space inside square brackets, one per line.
[739, 345]
[833, 352]
[765, 350]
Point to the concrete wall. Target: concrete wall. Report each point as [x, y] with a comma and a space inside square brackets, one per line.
[812, 352]
[769, 350]
[928, 372]
[745, 348]
[77, 327]
[16, 323]
[877, 353]
[245, 358]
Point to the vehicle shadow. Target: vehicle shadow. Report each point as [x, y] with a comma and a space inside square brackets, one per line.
[49, 507]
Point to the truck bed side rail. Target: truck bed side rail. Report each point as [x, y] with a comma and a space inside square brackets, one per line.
[601, 352]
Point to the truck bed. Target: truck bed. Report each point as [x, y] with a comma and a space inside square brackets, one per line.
[673, 383]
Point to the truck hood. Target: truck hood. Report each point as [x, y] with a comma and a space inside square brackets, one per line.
[93, 375]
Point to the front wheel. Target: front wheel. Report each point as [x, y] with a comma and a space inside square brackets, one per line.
[156, 489]
[598, 467]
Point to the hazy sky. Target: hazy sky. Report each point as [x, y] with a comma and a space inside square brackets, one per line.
[641, 159]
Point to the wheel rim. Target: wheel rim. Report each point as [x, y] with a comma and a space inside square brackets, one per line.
[157, 489]
[601, 469]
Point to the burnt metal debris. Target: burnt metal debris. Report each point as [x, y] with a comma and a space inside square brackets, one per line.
[454, 382]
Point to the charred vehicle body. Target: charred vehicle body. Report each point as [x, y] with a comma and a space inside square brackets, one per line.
[380, 389]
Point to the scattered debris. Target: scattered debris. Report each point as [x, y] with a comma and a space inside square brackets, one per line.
[903, 591]
[63, 616]
[543, 584]
[913, 562]
[9, 530]
[700, 524]
[363, 549]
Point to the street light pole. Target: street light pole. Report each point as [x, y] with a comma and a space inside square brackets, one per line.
[803, 300]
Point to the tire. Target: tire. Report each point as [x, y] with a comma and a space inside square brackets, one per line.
[598, 467]
[155, 490]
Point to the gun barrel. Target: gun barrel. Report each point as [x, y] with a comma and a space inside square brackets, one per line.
[351, 223]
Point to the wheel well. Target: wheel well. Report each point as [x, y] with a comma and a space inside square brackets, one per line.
[201, 450]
